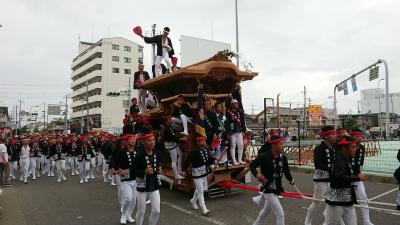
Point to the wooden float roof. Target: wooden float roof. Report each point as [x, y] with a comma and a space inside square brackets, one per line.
[217, 67]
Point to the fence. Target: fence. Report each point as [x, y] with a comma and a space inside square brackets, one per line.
[380, 156]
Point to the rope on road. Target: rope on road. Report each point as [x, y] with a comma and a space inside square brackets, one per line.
[378, 196]
[392, 211]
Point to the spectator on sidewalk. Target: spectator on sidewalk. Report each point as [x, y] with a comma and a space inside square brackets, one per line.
[4, 173]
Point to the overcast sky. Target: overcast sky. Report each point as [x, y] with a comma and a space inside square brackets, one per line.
[290, 43]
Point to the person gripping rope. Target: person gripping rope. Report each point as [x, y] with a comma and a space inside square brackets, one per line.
[357, 163]
[273, 165]
[341, 197]
[324, 155]
[201, 160]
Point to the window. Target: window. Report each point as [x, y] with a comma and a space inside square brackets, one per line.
[127, 60]
[127, 48]
[140, 60]
[140, 49]
[125, 103]
[115, 70]
[127, 71]
[115, 47]
[115, 58]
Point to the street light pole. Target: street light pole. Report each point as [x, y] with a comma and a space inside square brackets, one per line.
[237, 33]
[387, 120]
[379, 90]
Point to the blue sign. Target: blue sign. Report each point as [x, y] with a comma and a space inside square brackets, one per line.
[354, 84]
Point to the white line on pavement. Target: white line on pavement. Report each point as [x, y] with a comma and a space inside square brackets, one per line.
[216, 222]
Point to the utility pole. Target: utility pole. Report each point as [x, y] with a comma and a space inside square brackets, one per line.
[19, 114]
[44, 116]
[87, 105]
[237, 33]
[130, 93]
[277, 111]
[82, 123]
[16, 120]
[66, 115]
[305, 110]
[153, 55]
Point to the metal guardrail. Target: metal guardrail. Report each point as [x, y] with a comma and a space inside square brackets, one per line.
[380, 156]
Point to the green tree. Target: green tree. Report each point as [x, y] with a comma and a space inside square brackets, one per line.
[350, 123]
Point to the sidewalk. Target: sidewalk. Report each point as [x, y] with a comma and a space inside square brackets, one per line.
[12, 213]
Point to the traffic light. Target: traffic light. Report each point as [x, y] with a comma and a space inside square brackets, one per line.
[113, 94]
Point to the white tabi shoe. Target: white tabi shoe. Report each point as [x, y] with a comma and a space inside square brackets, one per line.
[130, 220]
[86, 180]
[193, 202]
[205, 210]
[122, 220]
[81, 182]
[64, 178]
[58, 180]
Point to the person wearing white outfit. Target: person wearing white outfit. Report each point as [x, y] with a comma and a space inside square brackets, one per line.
[340, 197]
[35, 158]
[273, 164]
[24, 160]
[235, 120]
[49, 158]
[13, 157]
[357, 163]
[84, 154]
[139, 77]
[124, 165]
[164, 49]
[181, 114]
[324, 155]
[171, 142]
[147, 168]
[201, 160]
[57, 153]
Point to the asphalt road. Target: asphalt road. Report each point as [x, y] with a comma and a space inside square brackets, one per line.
[45, 202]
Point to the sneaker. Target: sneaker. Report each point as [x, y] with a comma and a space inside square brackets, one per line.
[193, 202]
[130, 220]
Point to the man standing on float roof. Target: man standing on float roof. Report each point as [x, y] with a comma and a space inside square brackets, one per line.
[324, 156]
[164, 49]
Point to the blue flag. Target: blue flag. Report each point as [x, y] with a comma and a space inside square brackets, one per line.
[354, 84]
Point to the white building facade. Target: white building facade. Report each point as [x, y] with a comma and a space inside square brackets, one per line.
[373, 101]
[100, 68]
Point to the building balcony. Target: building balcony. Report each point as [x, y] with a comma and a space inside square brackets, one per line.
[90, 76]
[78, 114]
[84, 68]
[94, 98]
[87, 54]
[92, 86]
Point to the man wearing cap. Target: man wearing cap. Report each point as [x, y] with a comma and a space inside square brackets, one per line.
[164, 49]
[266, 146]
[201, 160]
[139, 77]
[147, 168]
[324, 156]
[49, 157]
[84, 154]
[24, 160]
[171, 142]
[340, 196]
[13, 154]
[181, 114]
[273, 165]
[35, 158]
[357, 162]
[58, 152]
[235, 118]
[125, 168]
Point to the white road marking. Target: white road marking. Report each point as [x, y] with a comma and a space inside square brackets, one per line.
[191, 213]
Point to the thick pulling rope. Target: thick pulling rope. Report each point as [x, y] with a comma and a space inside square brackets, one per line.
[395, 212]
[300, 195]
